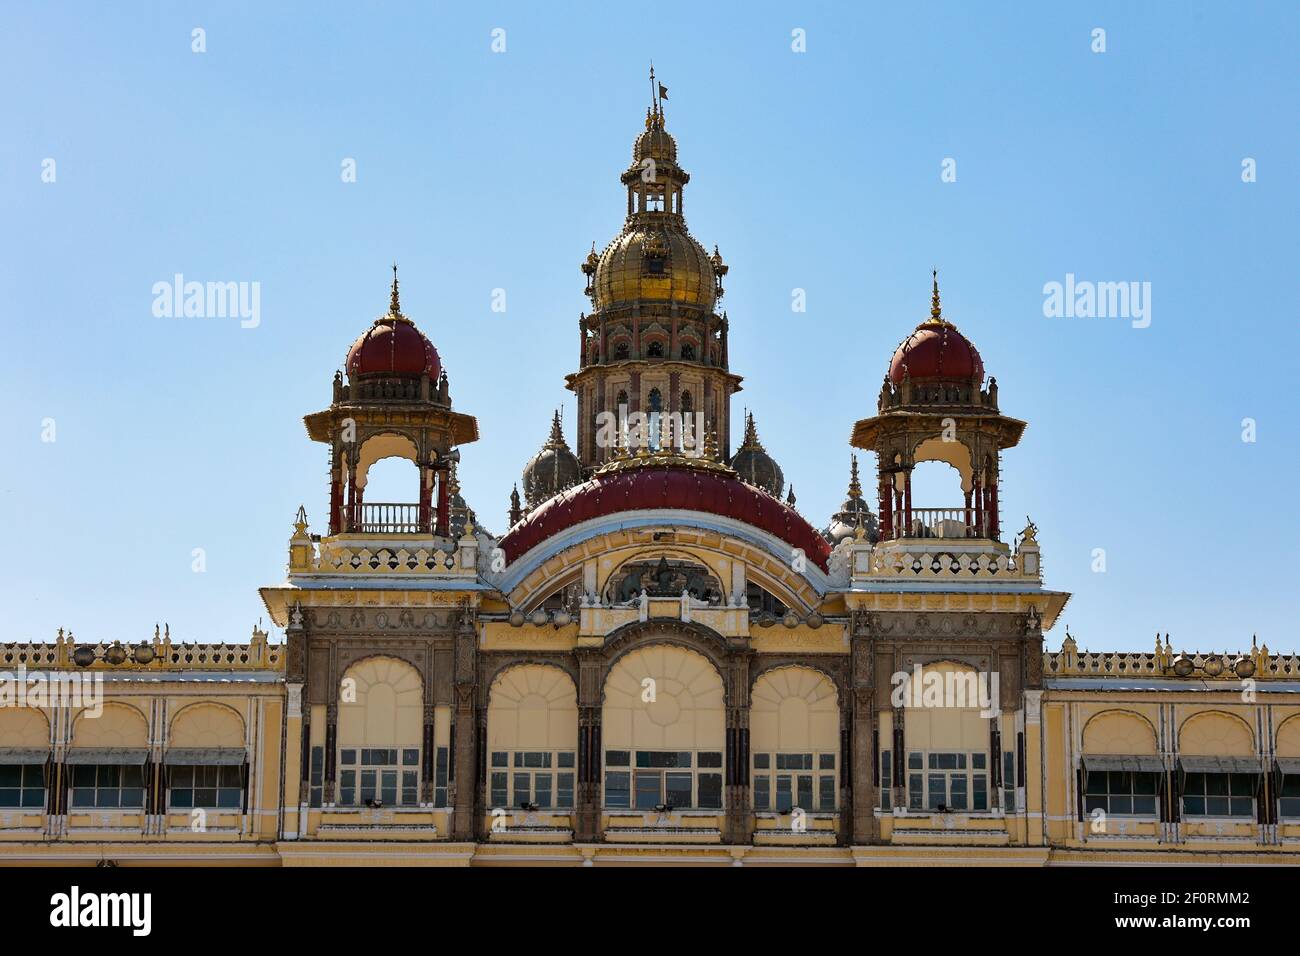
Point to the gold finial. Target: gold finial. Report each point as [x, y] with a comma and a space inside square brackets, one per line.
[855, 486]
[556, 438]
[936, 312]
[394, 303]
[751, 433]
[711, 446]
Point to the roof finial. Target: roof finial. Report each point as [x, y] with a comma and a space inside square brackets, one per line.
[855, 486]
[658, 93]
[751, 432]
[936, 312]
[394, 304]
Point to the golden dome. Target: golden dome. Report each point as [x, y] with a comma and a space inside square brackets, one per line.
[655, 143]
[654, 262]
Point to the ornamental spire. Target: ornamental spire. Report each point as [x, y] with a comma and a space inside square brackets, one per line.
[855, 486]
[751, 433]
[394, 303]
[936, 310]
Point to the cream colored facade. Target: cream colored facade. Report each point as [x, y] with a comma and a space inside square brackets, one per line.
[662, 661]
[1091, 710]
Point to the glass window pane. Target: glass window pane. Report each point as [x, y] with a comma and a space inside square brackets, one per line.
[542, 790]
[784, 793]
[936, 791]
[710, 791]
[616, 789]
[647, 790]
[805, 800]
[826, 796]
[523, 789]
[677, 790]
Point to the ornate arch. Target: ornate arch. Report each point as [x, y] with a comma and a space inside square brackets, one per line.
[104, 729]
[1112, 712]
[191, 711]
[684, 634]
[1292, 727]
[1229, 718]
[834, 670]
[493, 664]
[526, 584]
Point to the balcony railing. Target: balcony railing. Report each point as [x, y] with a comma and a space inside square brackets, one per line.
[940, 523]
[382, 517]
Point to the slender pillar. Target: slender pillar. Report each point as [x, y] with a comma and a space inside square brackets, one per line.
[591, 678]
[442, 528]
[469, 773]
[739, 813]
[425, 498]
[886, 508]
[907, 497]
[351, 523]
[994, 530]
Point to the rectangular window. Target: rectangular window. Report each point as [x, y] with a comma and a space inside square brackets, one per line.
[1120, 792]
[379, 777]
[1009, 781]
[951, 780]
[22, 786]
[108, 786]
[681, 779]
[440, 778]
[886, 779]
[1219, 794]
[317, 779]
[1289, 798]
[617, 783]
[525, 779]
[208, 787]
[793, 781]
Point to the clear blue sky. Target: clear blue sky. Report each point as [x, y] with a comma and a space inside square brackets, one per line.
[477, 171]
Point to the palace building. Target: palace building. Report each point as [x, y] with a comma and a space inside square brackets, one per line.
[660, 659]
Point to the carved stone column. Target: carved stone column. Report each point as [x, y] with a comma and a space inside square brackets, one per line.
[739, 813]
[468, 773]
[861, 800]
[591, 679]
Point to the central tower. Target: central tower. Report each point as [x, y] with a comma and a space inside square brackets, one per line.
[654, 341]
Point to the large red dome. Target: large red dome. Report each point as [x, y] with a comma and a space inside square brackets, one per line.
[936, 350]
[678, 488]
[393, 347]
